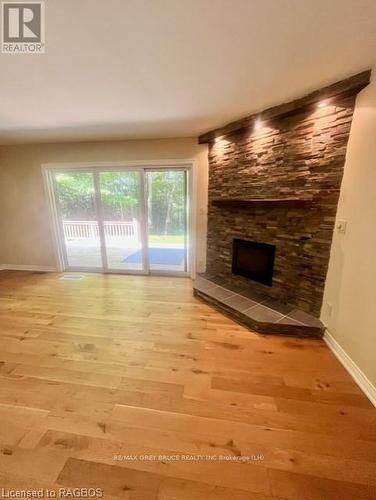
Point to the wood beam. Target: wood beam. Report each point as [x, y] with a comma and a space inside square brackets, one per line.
[347, 87]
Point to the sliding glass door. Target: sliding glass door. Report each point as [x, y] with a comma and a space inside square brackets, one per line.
[122, 200]
[124, 220]
[78, 220]
[166, 193]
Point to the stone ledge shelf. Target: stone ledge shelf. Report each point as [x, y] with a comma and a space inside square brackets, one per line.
[260, 314]
[262, 203]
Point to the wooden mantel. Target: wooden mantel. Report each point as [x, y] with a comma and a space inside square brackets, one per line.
[349, 86]
[262, 203]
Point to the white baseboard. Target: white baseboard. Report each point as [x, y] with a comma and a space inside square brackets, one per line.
[19, 267]
[359, 377]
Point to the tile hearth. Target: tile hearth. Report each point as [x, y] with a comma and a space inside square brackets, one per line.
[258, 312]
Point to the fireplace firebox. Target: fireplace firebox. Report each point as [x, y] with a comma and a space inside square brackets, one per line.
[253, 260]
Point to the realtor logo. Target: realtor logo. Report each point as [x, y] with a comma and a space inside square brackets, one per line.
[23, 29]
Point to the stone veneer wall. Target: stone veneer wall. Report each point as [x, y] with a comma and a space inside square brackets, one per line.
[293, 156]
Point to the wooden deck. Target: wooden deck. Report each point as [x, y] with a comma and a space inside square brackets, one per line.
[99, 373]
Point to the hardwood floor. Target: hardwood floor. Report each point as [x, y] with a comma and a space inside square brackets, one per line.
[127, 384]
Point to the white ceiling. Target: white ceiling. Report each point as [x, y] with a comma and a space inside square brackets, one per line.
[118, 69]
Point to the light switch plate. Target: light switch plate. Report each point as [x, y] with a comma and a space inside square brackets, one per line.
[341, 226]
[329, 309]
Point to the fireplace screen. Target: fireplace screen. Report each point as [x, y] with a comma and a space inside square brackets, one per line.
[253, 260]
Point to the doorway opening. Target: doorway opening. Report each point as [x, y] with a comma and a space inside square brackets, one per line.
[134, 220]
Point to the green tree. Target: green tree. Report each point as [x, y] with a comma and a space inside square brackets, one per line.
[120, 194]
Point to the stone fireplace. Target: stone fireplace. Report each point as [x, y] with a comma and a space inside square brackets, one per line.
[274, 180]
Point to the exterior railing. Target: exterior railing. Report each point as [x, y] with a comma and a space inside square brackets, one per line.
[90, 230]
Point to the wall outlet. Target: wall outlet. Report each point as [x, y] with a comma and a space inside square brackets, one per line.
[341, 226]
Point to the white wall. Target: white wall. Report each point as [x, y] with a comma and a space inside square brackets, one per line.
[351, 281]
[25, 227]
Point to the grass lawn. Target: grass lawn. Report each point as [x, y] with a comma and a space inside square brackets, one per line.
[169, 238]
